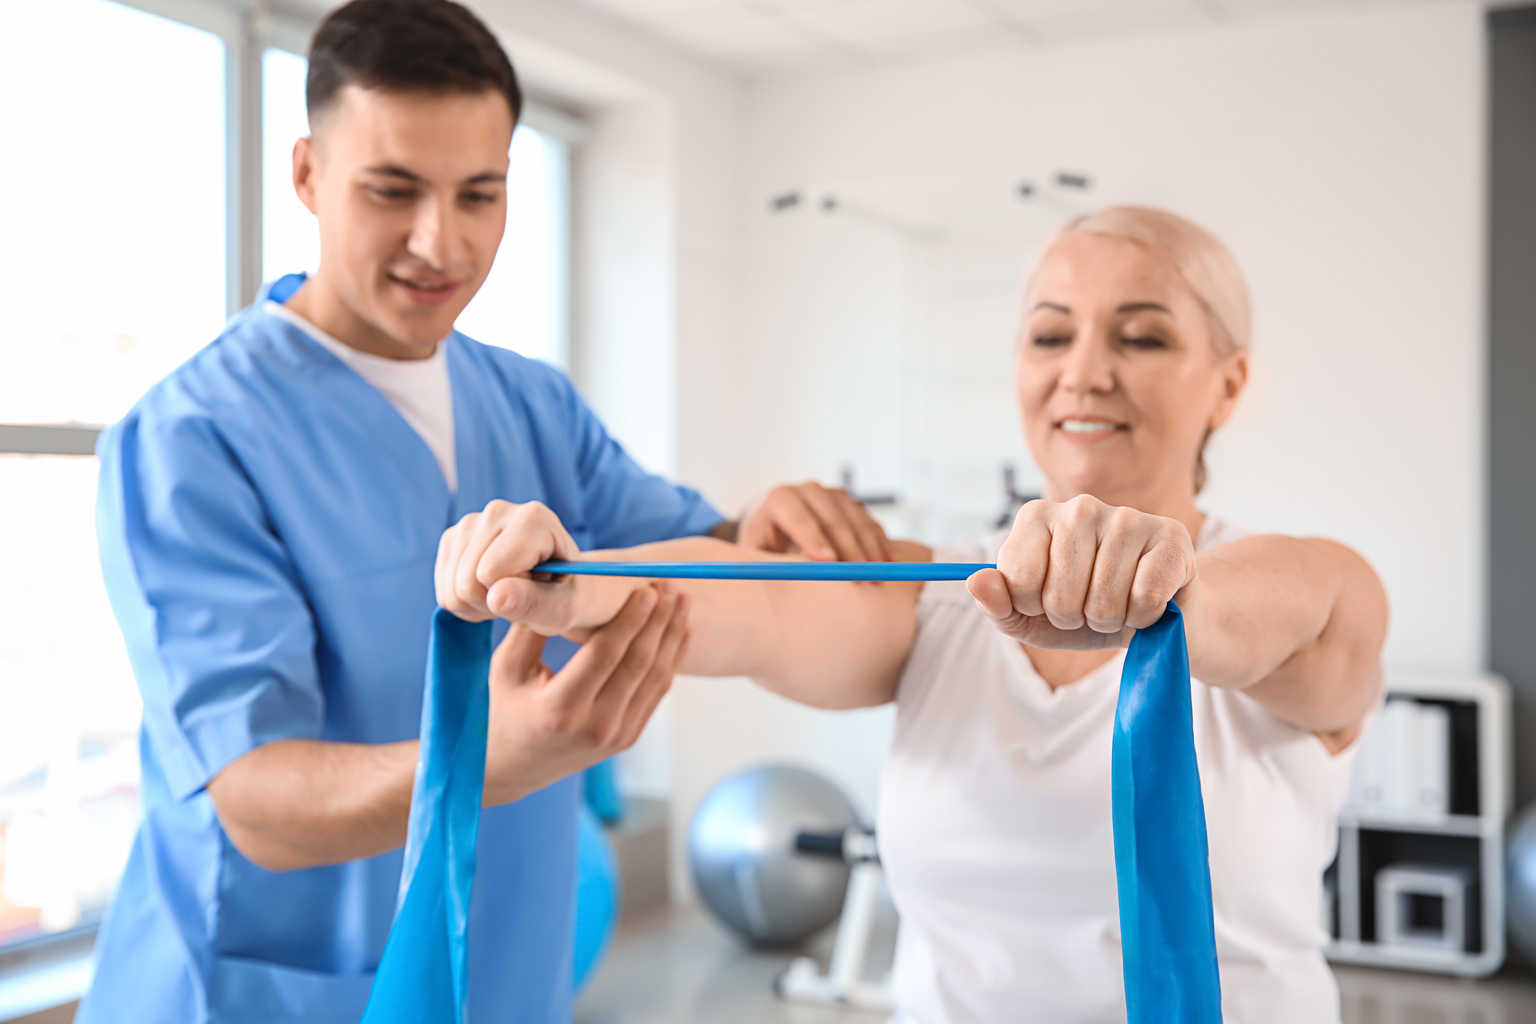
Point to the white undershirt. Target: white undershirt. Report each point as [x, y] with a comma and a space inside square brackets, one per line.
[997, 837]
[419, 389]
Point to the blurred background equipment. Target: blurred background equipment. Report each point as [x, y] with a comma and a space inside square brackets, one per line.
[742, 849]
[597, 896]
[599, 886]
[1012, 499]
[844, 984]
[1522, 884]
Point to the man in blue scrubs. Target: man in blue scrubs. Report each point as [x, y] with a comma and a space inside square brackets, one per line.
[269, 518]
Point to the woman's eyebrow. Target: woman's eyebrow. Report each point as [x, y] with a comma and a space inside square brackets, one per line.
[1142, 307]
[1058, 307]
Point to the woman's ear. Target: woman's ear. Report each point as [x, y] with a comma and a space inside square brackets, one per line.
[1234, 377]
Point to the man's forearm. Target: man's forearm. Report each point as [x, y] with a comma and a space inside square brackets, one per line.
[303, 803]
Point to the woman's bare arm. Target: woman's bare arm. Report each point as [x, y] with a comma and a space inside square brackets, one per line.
[828, 644]
[1296, 623]
[824, 643]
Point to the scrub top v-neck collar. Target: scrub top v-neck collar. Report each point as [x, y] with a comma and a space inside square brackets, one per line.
[382, 423]
[419, 389]
[415, 392]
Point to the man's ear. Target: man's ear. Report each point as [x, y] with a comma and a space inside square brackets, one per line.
[1234, 378]
[304, 172]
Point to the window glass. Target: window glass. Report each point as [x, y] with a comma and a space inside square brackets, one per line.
[524, 303]
[69, 710]
[114, 247]
[289, 243]
[118, 233]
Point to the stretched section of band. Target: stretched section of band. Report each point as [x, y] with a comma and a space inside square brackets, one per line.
[865, 572]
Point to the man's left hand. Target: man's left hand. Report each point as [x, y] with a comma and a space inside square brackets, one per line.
[824, 523]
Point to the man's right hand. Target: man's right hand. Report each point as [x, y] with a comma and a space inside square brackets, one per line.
[547, 725]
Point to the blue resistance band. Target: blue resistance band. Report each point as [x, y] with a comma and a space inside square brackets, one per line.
[423, 977]
[1162, 863]
[855, 571]
[1168, 938]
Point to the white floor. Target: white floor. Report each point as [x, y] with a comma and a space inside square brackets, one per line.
[679, 967]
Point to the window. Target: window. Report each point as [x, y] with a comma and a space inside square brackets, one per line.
[525, 300]
[135, 234]
[118, 230]
[68, 757]
[117, 224]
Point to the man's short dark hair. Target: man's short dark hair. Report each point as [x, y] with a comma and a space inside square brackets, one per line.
[406, 45]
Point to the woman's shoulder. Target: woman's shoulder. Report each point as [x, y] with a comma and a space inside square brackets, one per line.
[1216, 531]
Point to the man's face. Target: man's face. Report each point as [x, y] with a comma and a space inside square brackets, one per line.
[409, 189]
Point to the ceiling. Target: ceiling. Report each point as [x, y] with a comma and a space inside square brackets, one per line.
[765, 36]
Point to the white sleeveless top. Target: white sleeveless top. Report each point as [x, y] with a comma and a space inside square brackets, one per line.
[996, 835]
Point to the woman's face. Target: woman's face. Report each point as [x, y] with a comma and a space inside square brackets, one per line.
[1118, 380]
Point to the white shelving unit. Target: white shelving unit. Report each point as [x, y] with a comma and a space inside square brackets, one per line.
[1470, 837]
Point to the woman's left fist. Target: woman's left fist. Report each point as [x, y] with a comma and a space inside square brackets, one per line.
[1082, 575]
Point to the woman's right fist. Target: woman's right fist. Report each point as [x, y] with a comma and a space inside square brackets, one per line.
[1082, 575]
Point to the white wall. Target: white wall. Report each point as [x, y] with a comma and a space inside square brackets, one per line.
[658, 209]
[1340, 156]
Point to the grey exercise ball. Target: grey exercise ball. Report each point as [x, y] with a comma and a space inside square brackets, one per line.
[741, 846]
[1521, 894]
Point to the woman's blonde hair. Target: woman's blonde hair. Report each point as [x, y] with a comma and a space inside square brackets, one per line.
[1206, 265]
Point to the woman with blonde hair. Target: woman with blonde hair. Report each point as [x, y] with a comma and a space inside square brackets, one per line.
[995, 809]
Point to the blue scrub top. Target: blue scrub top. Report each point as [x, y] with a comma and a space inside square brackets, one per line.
[268, 526]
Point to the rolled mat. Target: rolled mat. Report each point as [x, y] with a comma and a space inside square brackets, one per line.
[1168, 939]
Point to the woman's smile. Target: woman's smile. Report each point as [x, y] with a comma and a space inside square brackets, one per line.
[1089, 429]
